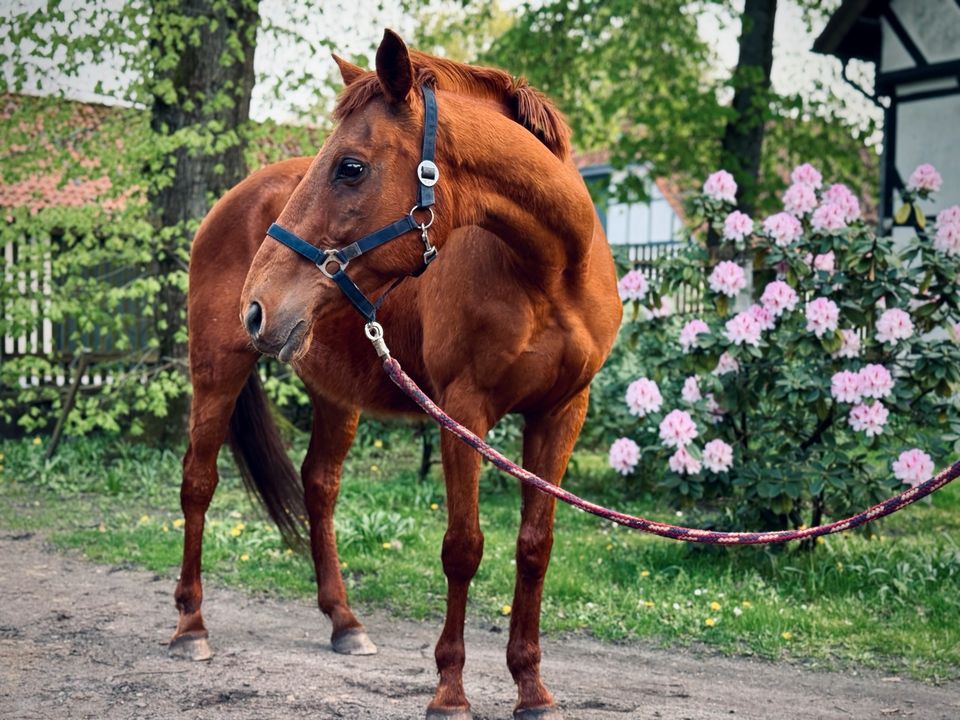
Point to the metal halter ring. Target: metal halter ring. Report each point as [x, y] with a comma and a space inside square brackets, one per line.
[331, 256]
[422, 226]
[373, 331]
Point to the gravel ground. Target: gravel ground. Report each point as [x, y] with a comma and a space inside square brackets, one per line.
[79, 640]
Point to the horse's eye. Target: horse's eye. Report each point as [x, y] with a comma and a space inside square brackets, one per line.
[350, 169]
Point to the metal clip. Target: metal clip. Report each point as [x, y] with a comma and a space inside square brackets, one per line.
[374, 332]
[429, 251]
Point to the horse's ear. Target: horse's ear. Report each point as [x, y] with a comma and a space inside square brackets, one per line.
[348, 71]
[394, 69]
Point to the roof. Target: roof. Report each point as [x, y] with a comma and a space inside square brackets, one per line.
[853, 31]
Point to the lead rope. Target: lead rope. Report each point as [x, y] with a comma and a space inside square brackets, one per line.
[675, 532]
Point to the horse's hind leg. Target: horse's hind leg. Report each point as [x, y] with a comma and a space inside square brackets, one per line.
[217, 381]
[548, 441]
[333, 430]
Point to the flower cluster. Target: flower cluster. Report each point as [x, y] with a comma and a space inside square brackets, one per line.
[947, 239]
[643, 397]
[727, 278]
[633, 286]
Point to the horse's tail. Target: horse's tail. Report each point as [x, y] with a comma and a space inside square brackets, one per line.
[264, 464]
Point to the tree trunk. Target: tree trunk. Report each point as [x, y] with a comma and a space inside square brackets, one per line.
[202, 52]
[743, 138]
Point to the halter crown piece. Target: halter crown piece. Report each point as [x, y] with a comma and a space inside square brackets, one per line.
[333, 263]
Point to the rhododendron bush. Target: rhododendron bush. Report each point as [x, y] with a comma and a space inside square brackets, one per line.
[823, 388]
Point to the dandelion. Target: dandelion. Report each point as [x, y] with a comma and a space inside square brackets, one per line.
[648, 603]
[237, 529]
[36, 441]
[714, 605]
[786, 635]
[288, 552]
[913, 467]
[178, 523]
[387, 546]
[894, 325]
[434, 506]
[677, 429]
[164, 528]
[343, 565]
[624, 455]
[375, 468]
[710, 622]
[746, 604]
[144, 519]
[643, 397]
[727, 278]
[721, 186]
[644, 573]
[506, 610]
[633, 286]
[244, 557]
[378, 443]
[609, 547]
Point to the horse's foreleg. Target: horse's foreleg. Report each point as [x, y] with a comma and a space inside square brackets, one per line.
[462, 550]
[216, 385]
[548, 441]
[333, 430]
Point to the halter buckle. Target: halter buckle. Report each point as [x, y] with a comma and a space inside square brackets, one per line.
[330, 256]
[428, 173]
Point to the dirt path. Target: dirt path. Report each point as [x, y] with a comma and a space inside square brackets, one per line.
[79, 640]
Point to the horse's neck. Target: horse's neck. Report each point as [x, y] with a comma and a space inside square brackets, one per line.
[506, 181]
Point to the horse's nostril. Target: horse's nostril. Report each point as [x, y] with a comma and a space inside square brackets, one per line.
[253, 319]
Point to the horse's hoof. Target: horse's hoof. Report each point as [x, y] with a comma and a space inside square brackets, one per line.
[452, 714]
[353, 642]
[190, 647]
[548, 712]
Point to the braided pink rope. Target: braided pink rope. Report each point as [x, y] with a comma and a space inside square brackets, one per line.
[675, 532]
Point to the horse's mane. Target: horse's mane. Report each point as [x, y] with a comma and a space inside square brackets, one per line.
[525, 104]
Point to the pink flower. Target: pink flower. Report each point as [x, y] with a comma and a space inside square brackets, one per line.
[632, 286]
[624, 455]
[845, 387]
[826, 262]
[713, 407]
[829, 217]
[783, 228]
[925, 177]
[875, 381]
[778, 298]
[726, 364]
[764, 317]
[737, 226]
[914, 467]
[799, 199]
[682, 462]
[947, 239]
[851, 345]
[868, 419]
[677, 429]
[689, 332]
[721, 186]
[807, 174]
[840, 194]
[743, 328]
[691, 390]
[717, 456]
[664, 309]
[643, 396]
[727, 278]
[822, 316]
[894, 325]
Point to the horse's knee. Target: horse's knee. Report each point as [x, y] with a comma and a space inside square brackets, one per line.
[533, 552]
[462, 552]
[321, 484]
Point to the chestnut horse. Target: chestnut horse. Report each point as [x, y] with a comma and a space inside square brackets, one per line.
[517, 315]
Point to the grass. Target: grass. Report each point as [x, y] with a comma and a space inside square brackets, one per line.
[888, 599]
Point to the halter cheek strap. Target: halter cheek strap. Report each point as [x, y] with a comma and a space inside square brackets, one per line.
[333, 262]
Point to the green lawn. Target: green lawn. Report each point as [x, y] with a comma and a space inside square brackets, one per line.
[889, 599]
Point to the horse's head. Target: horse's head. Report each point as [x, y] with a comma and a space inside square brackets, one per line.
[364, 178]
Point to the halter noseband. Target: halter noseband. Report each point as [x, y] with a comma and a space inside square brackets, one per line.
[333, 263]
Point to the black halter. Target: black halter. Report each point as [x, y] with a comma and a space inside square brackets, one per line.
[325, 259]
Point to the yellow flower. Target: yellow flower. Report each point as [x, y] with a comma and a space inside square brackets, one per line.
[821, 540]
[144, 519]
[237, 529]
[710, 622]
[505, 610]
[644, 573]
[648, 603]
[747, 604]
[786, 634]
[178, 523]
[37, 441]
[609, 547]
[714, 605]
[165, 528]
[378, 443]
[387, 546]
[434, 506]
[343, 566]
[2, 456]
[244, 557]
[288, 551]
[374, 468]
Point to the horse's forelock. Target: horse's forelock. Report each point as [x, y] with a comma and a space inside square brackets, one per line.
[525, 104]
